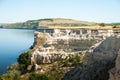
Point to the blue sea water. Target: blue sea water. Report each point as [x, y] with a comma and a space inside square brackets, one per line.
[12, 43]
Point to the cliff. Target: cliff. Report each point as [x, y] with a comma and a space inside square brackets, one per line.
[48, 49]
[99, 62]
[85, 54]
[55, 44]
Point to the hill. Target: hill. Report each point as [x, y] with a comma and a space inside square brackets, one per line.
[65, 22]
[34, 24]
[113, 24]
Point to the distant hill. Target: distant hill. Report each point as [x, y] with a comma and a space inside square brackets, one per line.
[113, 24]
[64, 22]
[34, 24]
[53, 22]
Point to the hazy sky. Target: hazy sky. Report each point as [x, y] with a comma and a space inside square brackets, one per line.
[85, 10]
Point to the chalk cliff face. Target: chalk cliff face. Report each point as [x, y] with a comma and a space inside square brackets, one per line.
[101, 60]
[100, 49]
[48, 49]
[56, 44]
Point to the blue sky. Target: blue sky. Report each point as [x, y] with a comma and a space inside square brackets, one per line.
[85, 10]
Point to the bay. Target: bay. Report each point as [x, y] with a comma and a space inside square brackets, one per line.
[13, 42]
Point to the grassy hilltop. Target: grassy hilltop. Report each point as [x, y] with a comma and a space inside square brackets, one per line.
[58, 23]
[33, 24]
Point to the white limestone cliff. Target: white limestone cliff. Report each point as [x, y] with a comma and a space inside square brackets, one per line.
[55, 44]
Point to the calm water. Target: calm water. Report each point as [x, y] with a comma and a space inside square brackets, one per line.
[12, 43]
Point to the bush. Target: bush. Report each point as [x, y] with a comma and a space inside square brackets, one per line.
[116, 26]
[24, 60]
[72, 61]
[5, 78]
[12, 73]
[2, 78]
[35, 76]
[102, 24]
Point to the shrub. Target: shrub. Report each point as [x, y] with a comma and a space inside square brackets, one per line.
[12, 73]
[102, 24]
[116, 26]
[72, 61]
[5, 78]
[2, 78]
[35, 76]
[24, 60]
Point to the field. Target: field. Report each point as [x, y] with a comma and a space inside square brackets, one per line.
[83, 27]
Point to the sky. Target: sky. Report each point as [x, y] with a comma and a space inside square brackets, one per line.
[107, 11]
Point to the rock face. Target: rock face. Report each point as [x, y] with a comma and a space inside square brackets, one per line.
[95, 71]
[49, 48]
[55, 44]
[106, 50]
[115, 72]
[100, 61]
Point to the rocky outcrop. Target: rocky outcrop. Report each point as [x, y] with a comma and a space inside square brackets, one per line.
[55, 44]
[115, 72]
[60, 45]
[100, 61]
[95, 71]
[107, 49]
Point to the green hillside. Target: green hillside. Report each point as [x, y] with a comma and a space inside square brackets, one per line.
[34, 24]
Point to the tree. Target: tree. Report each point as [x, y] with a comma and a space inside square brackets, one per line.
[102, 24]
